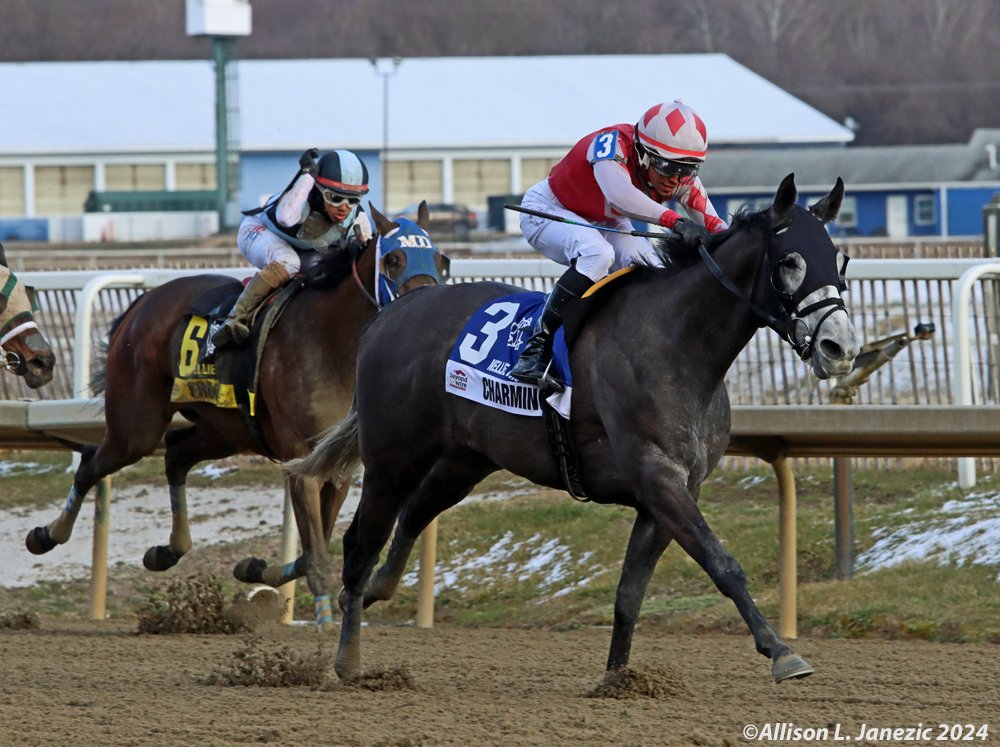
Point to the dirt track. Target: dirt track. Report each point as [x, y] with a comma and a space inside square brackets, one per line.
[100, 684]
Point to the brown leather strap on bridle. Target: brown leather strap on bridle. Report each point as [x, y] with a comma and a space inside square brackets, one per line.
[357, 279]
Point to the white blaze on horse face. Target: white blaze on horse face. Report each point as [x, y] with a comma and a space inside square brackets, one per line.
[835, 343]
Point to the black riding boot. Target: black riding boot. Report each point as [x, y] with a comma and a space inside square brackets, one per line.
[536, 356]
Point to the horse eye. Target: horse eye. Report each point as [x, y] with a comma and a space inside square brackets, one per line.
[790, 273]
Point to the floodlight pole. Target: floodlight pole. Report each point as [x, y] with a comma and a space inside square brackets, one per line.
[222, 48]
[383, 69]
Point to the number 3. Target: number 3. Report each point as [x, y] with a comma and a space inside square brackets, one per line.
[606, 142]
[471, 352]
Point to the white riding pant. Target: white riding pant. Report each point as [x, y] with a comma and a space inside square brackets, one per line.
[597, 253]
[261, 246]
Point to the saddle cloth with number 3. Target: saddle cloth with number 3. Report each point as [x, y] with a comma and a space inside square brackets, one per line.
[489, 346]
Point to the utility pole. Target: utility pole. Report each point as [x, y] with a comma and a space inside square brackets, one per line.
[223, 20]
[385, 68]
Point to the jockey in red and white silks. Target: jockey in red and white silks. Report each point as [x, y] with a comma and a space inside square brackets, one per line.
[612, 175]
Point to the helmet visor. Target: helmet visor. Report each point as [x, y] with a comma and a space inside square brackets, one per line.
[666, 167]
[336, 199]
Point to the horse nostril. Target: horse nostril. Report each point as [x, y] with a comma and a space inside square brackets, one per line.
[831, 349]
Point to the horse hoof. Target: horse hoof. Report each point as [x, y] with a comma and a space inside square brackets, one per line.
[160, 558]
[250, 570]
[347, 666]
[790, 666]
[39, 541]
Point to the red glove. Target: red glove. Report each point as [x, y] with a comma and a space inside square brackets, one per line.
[668, 218]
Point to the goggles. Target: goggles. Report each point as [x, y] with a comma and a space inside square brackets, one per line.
[665, 167]
[336, 199]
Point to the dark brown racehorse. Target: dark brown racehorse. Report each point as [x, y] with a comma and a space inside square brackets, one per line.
[306, 383]
[650, 411]
[26, 352]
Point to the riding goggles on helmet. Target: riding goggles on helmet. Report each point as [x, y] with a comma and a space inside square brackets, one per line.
[666, 167]
[337, 199]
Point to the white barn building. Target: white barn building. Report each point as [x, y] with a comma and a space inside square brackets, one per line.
[459, 129]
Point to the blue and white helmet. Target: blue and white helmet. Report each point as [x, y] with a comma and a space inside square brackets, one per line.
[343, 173]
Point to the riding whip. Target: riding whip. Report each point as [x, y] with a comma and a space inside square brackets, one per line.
[560, 219]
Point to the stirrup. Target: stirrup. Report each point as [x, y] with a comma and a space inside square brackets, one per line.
[548, 383]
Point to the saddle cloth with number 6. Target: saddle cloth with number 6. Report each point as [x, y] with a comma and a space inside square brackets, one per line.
[489, 346]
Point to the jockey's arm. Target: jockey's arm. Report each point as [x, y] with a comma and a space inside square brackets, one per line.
[293, 207]
[693, 198]
[616, 184]
[362, 227]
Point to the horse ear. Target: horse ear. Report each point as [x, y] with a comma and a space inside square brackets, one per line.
[826, 208]
[784, 201]
[423, 215]
[3, 257]
[383, 224]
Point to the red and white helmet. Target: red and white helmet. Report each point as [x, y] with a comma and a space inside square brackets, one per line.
[673, 131]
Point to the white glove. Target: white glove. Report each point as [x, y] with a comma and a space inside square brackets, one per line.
[363, 227]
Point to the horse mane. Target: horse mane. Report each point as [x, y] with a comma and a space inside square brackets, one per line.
[334, 265]
[676, 253]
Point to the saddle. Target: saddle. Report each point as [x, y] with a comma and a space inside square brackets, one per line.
[227, 378]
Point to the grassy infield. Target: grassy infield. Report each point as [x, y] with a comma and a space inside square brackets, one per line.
[919, 600]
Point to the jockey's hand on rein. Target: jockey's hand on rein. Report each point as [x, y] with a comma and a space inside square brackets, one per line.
[691, 232]
[308, 161]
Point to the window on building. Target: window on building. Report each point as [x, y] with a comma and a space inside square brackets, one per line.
[195, 176]
[475, 180]
[924, 210]
[12, 191]
[62, 190]
[135, 177]
[848, 215]
[410, 182]
[533, 170]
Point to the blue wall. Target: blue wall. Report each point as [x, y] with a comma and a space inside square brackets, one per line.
[965, 209]
[24, 229]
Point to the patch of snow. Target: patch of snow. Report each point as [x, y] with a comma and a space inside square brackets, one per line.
[24, 469]
[548, 559]
[964, 530]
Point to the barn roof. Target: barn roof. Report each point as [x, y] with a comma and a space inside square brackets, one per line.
[858, 165]
[434, 103]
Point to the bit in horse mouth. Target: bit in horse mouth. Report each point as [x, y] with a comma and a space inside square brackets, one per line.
[12, 361]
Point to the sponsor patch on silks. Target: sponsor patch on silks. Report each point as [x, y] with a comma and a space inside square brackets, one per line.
[489, 347]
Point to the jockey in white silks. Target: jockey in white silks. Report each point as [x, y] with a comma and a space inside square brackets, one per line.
[321, 206]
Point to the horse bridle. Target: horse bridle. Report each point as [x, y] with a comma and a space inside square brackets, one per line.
[794, 318]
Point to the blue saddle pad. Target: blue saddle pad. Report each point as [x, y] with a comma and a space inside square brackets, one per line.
[489, 346]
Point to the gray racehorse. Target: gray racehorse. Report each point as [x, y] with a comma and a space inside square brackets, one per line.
[650, 412]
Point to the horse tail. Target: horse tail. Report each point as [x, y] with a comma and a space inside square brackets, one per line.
[335, 456]
[97, 381]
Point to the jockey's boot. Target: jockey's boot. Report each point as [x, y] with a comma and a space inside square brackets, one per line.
[536, 356]
[236, 329]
